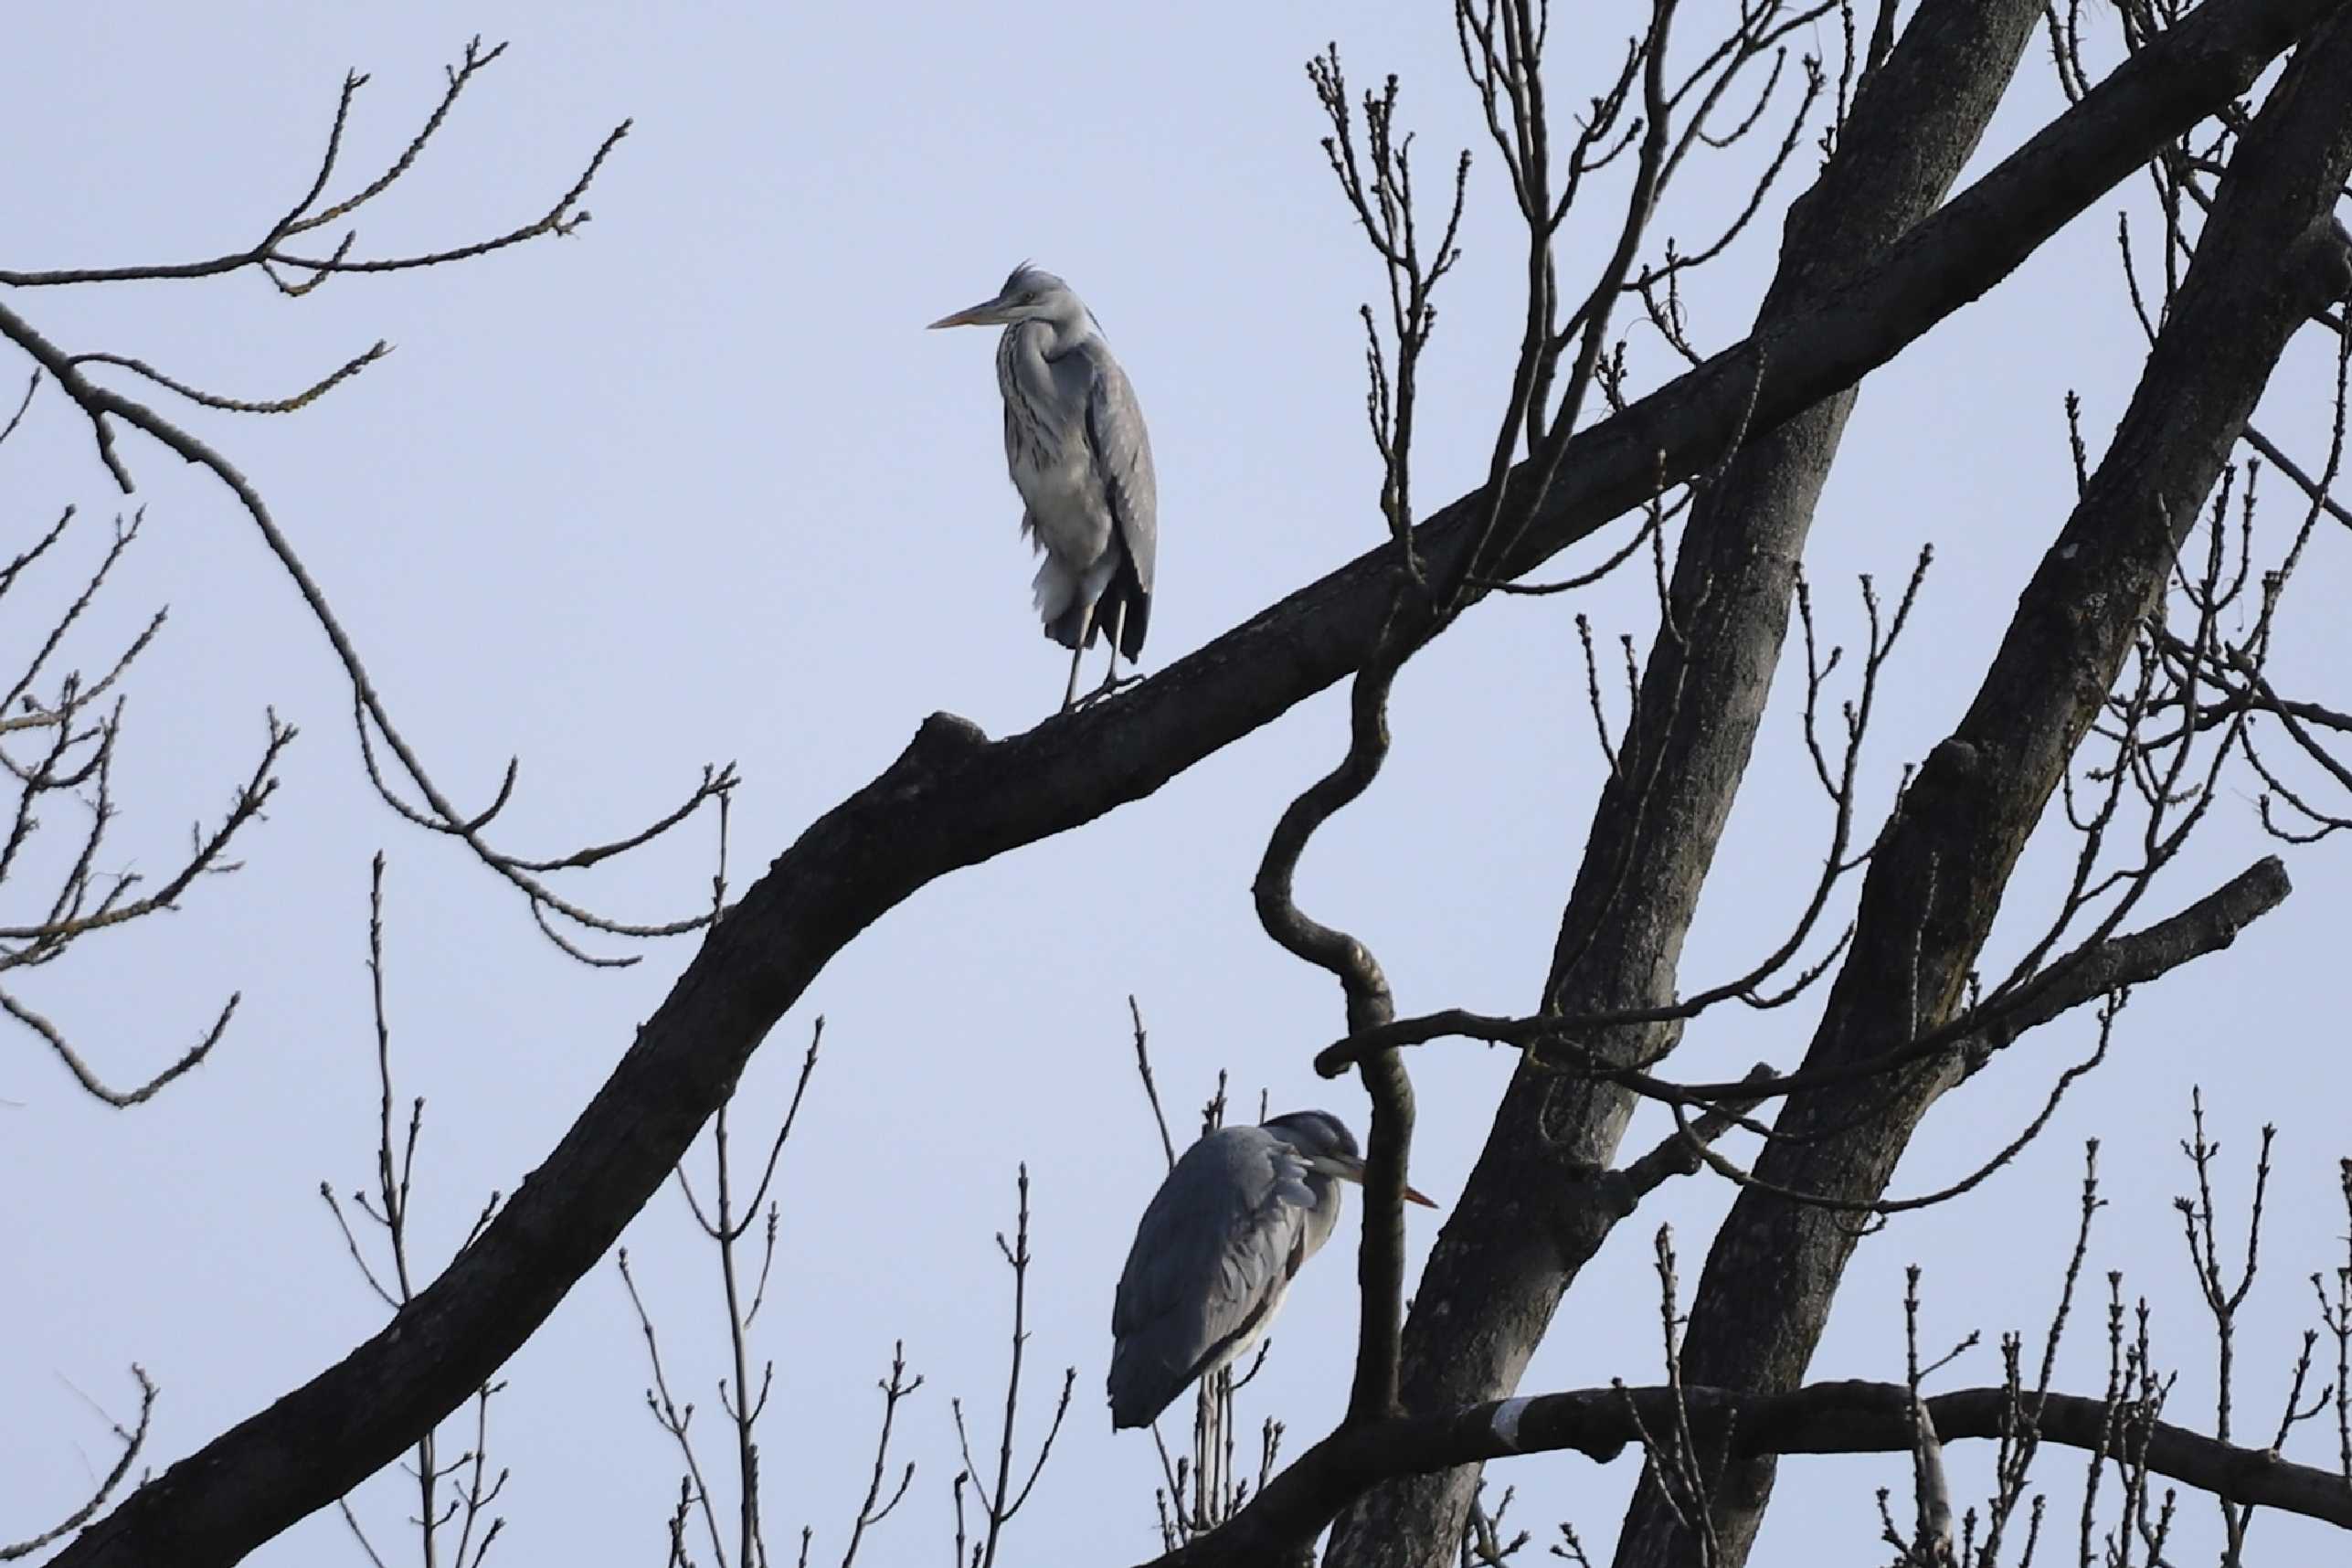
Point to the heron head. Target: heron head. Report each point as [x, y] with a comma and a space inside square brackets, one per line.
[1324, 1142]
[1031, 294]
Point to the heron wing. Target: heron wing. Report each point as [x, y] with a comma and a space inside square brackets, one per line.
[1214, 1251]
[1121, 449]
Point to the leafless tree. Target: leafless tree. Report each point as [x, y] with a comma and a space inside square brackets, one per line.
[2133, 685]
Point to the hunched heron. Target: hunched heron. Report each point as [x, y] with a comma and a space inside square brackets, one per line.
[1243, 1210]
[1078, 454]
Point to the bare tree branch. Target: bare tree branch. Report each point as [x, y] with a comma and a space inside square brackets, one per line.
[133, 1441]
[1853, 1417]
[267, 253]
[2086, 974]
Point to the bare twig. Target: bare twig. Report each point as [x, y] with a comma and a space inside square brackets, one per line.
[133, 1441]
[1001, 1500]
[395, 1286]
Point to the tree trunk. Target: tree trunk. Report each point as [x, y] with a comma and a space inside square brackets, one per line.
[2267, 257]
[1530, 1215]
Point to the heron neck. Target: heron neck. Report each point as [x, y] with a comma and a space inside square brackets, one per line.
[1050, 337]
[1325, 1216]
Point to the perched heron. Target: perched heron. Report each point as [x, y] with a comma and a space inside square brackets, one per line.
[1242, 1211]
[1075, 442]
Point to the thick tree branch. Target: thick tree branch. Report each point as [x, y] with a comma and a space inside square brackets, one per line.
[2100, 968]
[1855, 1417]
[953, 800]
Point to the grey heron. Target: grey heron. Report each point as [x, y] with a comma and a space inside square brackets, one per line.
[1242, 1211]
[1074, 443]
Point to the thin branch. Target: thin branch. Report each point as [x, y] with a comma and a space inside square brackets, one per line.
[298, 401]
[876, 1508]
[96, 1087]
[267, 253]
[2210, 924]
[133, 1441]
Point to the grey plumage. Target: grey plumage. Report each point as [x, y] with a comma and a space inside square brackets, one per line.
[1243, 1210]
[1077, 451]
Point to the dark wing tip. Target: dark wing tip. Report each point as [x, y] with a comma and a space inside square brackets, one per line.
[1134, 1401]
[1138, 622]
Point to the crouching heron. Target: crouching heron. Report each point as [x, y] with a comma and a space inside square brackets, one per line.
[1218, 1246]
[1075, 442]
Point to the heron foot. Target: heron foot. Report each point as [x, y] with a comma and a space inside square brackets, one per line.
[1110, 686]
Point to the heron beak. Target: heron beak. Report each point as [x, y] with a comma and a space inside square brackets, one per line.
[1355, 1172]
[982, 314]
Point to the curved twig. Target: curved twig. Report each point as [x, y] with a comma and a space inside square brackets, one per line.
[1387, 1147]
[133, 1441]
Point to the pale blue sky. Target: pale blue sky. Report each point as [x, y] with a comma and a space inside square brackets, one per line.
[695, 485]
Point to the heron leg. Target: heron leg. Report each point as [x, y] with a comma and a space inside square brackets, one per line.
[1203, 1444]
[1070, 691]
[1112, 681]
[1117, 633]
[1201, 1470]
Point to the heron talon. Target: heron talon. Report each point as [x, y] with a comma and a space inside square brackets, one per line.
[1110, 687]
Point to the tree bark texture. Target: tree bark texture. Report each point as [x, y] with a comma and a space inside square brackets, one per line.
[2268, 252]
[954, 799]
[1530, 1214]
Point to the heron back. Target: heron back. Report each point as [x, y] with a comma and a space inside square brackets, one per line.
[1212, 1257]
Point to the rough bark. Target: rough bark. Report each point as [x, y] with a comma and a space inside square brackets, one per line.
[1933, 890]
[954, 800]
[1530, 1215]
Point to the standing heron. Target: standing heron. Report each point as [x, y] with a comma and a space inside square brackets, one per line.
[1237, 1217]
[1075, 442]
